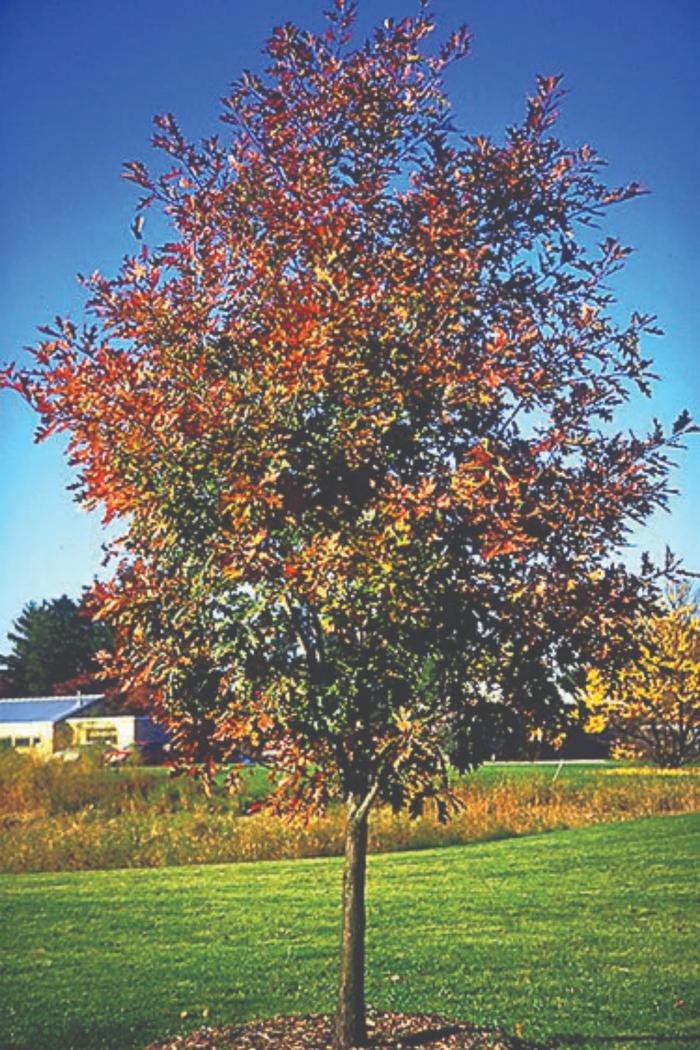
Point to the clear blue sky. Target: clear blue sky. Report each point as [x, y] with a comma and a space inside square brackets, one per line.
[80, 82]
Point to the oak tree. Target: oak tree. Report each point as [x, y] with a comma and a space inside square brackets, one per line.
[354, 414]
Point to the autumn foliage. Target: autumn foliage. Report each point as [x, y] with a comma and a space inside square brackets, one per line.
[355, 418]
[651, 705]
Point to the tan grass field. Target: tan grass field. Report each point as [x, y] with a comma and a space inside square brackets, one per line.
[62, 819]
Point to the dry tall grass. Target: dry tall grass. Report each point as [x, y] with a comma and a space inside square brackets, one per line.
[131, 829]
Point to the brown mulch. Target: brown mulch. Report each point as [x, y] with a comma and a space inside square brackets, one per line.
[386, 1031]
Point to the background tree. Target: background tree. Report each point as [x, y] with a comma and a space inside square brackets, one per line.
[355, 416]
[54, 647]
[651, 705]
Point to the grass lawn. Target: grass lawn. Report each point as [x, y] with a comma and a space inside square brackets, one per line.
[590, 936]
[570, 773]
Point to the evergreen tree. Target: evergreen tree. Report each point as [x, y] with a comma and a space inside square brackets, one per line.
[53, 642]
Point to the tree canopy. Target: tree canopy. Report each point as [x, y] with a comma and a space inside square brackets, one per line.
[651, 705]
[355, 415]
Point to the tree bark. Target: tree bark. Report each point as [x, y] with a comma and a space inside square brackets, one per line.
[351, 1020]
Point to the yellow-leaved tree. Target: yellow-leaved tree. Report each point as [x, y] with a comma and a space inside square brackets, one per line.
[651, 705]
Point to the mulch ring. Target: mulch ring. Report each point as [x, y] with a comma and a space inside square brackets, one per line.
[386, 1032]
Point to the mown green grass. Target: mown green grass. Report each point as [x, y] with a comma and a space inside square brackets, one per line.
[588, 936]
[577, 771]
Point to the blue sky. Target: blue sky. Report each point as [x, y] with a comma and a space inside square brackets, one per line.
[80, 82]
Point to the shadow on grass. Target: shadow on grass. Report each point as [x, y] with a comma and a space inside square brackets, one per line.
[659, 1041]
[432, 1036]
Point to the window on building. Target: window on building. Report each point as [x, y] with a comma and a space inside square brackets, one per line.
[101, 735]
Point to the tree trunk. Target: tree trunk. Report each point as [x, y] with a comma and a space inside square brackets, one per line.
[351, 1021]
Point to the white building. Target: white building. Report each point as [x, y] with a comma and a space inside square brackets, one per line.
[46, 724]
[35, 722]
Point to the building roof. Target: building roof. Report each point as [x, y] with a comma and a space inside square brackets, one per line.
[44, 708]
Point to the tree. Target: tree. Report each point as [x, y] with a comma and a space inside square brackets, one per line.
[54, 643]
[355, 415]
[651, 704]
